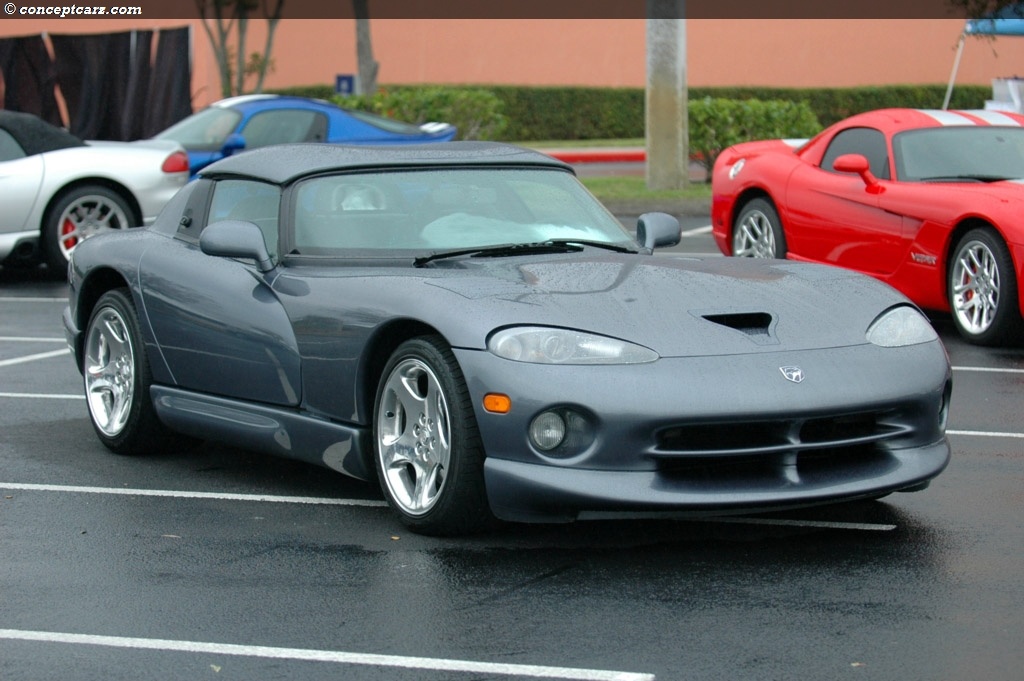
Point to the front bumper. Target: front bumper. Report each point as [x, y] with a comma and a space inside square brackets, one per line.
[716, 434]
[535, 493]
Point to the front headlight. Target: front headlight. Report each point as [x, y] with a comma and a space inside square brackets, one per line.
[547, 345]
[900, 326]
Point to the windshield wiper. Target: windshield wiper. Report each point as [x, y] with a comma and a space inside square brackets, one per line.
[499, 251]
[535, 248]
[596, 244]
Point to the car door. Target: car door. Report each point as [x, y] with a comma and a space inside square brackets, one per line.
[217, 322]
[837, 218]
[21, 177]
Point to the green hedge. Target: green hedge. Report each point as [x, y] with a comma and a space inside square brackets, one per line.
[476, 112]
[719, 123]
[581, 113]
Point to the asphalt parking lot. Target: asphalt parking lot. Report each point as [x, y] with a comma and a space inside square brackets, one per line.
[221, 564]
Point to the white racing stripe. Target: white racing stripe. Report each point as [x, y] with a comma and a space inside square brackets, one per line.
[995, 118]
[337, 657]
[943, 117]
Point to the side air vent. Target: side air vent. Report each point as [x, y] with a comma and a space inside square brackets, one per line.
[757, 325]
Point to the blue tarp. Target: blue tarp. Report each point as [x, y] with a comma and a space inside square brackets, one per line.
[1007, 21]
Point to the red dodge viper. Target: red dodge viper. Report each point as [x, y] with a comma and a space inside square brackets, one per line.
[929, 201]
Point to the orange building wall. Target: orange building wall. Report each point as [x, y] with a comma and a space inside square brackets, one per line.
[783, 53]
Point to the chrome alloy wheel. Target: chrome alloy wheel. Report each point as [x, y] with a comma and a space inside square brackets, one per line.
[86, 216]
[975, 287]
[754, 237]
[109, 372]
[414, 436]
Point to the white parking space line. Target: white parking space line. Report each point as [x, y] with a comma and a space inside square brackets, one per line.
[16, 299]
[697, 231]
[178, 494]
[33, 358]
[369, 503]
[828, 524]
[23, 339]
[33, 396]
[985, 433]
[309, 655]
[989, 370]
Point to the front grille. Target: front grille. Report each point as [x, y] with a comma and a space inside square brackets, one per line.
[754, 438]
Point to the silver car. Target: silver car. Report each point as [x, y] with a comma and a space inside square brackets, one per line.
[56, 190]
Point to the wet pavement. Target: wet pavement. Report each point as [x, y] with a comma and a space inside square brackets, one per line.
[217, 563]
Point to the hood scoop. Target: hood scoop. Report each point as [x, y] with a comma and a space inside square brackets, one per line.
[757, 326]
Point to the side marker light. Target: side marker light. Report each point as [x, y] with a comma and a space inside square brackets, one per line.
[496, 403]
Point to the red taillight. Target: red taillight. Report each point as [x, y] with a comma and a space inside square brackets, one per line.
[176, 163]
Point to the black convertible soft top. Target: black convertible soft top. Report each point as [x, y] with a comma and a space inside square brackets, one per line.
[282, 164]
[35, 135]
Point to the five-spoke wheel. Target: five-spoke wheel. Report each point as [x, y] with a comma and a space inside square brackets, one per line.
[428, 453]
[117, 378]
[757, 232]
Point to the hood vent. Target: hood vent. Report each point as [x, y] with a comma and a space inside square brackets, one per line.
[756, 325]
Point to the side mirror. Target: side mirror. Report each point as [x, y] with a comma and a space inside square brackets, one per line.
[236, 239]
[657, 230]
[234, 143]
[855, 163]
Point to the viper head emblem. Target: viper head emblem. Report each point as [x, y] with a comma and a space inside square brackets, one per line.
[795, 374]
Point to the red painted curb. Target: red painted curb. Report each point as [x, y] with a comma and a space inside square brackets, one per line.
[597, 155]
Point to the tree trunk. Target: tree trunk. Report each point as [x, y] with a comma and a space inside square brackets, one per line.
[364, 49]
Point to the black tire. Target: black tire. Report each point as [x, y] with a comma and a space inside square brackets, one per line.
[757, 231]
[427, 449]
[78, 214]
[982, 288]
[117, 379]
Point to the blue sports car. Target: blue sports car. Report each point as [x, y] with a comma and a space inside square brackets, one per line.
[252, 121]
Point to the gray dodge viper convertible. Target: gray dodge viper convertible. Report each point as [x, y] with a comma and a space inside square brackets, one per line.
[465, 323]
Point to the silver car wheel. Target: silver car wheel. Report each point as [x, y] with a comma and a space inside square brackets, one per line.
[86, 216]
[109, 372]
[754, 237]
[975, 287]
[414, 436]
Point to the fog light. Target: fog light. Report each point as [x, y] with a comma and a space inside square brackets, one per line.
[547, 431]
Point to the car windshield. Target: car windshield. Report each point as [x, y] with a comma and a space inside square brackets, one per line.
[206, 129]
[959, 153]
[434, 210]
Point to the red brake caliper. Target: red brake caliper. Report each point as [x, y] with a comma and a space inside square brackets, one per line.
[67, 228]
